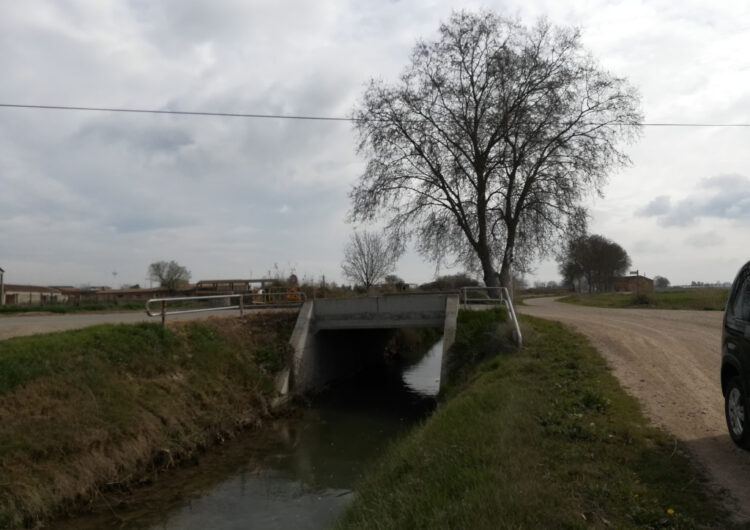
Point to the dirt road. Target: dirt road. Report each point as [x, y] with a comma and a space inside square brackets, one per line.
[670, 361]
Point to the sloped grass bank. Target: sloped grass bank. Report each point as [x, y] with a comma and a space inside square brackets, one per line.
[543, 437]
[108, 406]
[703, 299]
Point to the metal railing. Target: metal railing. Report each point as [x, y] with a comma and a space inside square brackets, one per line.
[257, 301]
[503, 297]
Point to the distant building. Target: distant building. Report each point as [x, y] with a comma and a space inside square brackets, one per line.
[634, 284]
[209, 287]
[116, 296]
[32, 295]
[105, 295]
[38, 295]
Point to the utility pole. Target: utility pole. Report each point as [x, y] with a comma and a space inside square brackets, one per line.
[2, 287]
[637, 274]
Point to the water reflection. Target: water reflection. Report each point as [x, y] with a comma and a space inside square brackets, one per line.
[303, 475]
[424, 378]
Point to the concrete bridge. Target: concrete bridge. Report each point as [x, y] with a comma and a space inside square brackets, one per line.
[334, 338]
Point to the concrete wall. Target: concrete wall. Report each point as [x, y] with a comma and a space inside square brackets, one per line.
[395, 311]
[449, 331]
[334, 338]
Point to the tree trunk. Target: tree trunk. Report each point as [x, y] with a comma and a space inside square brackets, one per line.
[506, 273]
[491, 278]
[506, 278]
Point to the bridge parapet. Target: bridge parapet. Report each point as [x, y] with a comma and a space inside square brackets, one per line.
[394, 311]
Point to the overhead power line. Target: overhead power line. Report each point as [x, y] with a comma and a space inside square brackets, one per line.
[178, 112]
[294, 117]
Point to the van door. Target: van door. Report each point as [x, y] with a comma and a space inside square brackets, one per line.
[737, 323]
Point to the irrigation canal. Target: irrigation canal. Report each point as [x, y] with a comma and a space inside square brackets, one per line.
[300, 475]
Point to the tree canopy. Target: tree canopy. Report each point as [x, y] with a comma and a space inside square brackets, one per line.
[487, 146]
[169, 274]
[593, 262]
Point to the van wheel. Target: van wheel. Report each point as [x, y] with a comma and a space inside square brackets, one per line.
[736, 412]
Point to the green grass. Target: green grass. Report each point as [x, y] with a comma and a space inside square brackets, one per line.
[703, 299]
[543, 437]
[105, 404]
[479, 335]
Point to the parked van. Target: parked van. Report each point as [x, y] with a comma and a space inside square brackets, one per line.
[735, 358]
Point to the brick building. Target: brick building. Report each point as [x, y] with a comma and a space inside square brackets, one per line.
[634, 284]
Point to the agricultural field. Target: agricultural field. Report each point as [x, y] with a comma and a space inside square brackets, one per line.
[704, 299]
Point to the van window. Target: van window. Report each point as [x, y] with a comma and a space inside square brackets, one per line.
[741, 301]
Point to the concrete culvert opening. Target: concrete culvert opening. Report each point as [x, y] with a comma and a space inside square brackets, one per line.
[337, 338]
[372, 354]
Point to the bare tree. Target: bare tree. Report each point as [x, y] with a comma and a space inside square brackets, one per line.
[487, 146]
[368, 258]
[595, 260]
[169, 274]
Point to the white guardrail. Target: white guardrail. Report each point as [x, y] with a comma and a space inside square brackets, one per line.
[257, 301]
[502, 297]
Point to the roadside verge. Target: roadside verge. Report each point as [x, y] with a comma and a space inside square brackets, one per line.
[543, 437]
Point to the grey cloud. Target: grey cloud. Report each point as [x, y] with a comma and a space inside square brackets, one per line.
[146, 138]
[725, 196]
[704, 240]
[644, 246]
[125, 222]
[658, 206]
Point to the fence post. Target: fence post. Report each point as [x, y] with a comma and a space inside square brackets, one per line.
[163, 313]
[242, 305]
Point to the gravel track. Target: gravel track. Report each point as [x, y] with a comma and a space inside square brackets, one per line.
[670, 361]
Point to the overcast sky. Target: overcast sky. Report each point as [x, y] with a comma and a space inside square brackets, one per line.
[85, 195]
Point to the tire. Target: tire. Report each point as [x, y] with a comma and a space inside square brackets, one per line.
[736, 413]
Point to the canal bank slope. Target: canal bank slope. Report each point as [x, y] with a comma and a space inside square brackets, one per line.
[109, 406]
[542, 437]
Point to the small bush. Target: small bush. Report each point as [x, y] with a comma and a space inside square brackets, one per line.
[641, 299]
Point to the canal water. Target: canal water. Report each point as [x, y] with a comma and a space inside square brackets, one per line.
[300, 475]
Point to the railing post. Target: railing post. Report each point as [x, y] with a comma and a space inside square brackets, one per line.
[163, 313]
[242, 305]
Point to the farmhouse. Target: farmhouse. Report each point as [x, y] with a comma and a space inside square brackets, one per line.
[634, 284]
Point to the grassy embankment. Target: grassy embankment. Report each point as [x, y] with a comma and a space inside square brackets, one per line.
[108, 406]
[704, 299]
[543, 437]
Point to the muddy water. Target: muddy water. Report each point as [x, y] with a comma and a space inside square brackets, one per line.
[301, 475]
